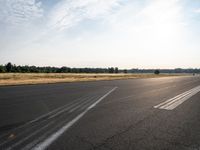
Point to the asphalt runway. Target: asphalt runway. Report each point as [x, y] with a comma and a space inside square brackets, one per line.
[133, 114]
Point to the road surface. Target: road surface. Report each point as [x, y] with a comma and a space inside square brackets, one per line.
[135, 114]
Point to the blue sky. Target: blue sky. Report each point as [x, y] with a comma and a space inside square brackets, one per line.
[101, 33]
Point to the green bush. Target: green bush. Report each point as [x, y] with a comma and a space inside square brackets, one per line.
[157, 72]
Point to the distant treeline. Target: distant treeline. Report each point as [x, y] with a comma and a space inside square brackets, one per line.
[177, 70]
[9, 67]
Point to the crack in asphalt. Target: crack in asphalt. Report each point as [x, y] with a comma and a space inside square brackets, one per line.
[82, 139]
[123, 131]
[155, 115]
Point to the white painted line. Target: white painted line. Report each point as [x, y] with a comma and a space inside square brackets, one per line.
[58, 109]
[178, 100]
[72, 107]
[82, 104]
[29, 136]
[88, 104]
[177, 103]
[174, 98]
[51, 113]
[43, 145]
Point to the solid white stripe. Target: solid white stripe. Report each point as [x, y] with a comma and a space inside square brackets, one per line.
[174, 105]
[29, 136]
[43, 145]
[47, 114]
[174, 98]
[176, 101]
[180, 98]
[69, 105]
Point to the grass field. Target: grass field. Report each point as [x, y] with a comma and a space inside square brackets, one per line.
[38, 78]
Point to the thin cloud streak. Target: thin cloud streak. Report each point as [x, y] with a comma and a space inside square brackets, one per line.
[82, 33]
[68, 13]
[196, 10]
[19, 12]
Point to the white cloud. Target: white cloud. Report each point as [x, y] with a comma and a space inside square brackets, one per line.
[70, 12]
[196, 10]
[136, 33]
[19, 12]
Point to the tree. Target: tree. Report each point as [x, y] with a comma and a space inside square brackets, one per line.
[116, 70]
[9, 67]
[2, 69]
[157, 72]
[111, 70]
[125, 71]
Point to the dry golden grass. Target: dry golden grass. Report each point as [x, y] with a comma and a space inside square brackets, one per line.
[38, 78]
